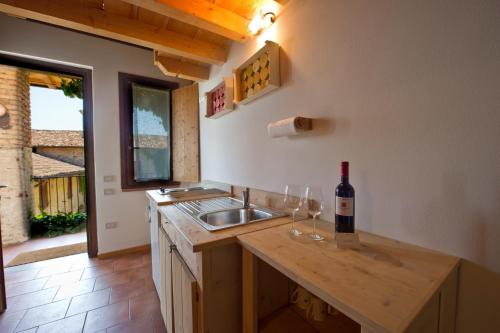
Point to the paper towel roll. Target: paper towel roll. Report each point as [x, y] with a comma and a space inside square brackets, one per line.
[288, 127]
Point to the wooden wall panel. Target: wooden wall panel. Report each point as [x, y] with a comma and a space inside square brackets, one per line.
[186, 134]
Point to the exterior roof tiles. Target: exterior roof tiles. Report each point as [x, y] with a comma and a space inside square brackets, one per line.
[56, 138]
[45, 167]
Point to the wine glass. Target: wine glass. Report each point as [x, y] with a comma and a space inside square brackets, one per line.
[293, 202]
[313, 200]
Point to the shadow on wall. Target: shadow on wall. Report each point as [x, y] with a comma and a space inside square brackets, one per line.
[285, 68]
[478, 299]
[339, 127]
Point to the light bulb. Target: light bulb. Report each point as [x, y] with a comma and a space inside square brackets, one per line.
[261, 21]
[255, 25]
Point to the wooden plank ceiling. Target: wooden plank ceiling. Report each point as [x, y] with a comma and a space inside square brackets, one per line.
[187, 35]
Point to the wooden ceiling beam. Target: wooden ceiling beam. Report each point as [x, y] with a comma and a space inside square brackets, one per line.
[44, 80]
[75, 15]
[182, 69]
[202, 14]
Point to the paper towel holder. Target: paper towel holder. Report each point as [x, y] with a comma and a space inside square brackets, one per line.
[289, 127]
[305, 124]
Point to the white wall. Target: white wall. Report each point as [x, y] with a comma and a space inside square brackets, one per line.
[411, 93]
[106, 58]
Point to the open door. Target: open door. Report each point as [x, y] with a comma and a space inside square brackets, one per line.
[186, 134]
[3, 300]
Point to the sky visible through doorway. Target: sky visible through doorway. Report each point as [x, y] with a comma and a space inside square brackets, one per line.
[51, 110]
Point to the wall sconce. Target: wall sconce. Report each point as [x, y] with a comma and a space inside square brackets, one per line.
[261, 21]
[3, 110]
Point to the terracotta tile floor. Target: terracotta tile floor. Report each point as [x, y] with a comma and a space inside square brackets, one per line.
[78, 294]
[11, 251]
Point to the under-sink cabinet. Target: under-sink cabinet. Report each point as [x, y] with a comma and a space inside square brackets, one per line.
[184, 296]
[165, 290]
[178, 289]
[199, 291]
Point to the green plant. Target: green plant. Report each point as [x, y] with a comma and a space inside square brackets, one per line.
[72, 88]
[57, 224]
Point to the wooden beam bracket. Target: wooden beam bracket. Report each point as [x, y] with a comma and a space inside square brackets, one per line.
[181, 69]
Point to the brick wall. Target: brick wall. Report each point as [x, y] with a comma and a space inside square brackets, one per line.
[73, 155]
[15, 155]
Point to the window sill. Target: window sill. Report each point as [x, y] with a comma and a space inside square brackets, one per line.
[151, 187]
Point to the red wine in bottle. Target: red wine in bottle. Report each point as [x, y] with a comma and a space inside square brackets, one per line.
[344, 202]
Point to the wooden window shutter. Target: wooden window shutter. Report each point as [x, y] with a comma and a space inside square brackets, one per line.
[186, 134]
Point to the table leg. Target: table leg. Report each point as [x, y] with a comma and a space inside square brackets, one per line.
[249, 297]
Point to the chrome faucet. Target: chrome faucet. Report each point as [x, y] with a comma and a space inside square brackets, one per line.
[246, 197]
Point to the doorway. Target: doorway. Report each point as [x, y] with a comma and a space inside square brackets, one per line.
[80, 192]
[55, 197]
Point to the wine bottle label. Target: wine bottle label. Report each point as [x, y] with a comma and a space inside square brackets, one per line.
[344, 206]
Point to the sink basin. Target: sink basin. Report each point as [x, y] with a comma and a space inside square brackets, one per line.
[234, 216]
[225, 212]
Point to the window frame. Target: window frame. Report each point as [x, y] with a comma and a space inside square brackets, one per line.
[125, 82]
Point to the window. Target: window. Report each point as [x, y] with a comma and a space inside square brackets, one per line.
[145, 131]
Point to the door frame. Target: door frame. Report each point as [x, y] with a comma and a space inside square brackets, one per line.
[3, 296]
[88, 132]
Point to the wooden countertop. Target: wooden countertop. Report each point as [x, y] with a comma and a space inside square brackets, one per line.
[162, 200]
[199, 238]
[382, 286]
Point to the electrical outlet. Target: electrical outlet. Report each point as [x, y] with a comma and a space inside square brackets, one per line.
[111, 225]
[109, 191]
[109, 179]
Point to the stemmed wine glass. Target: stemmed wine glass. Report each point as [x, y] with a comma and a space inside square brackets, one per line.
[293, 202]
[313, 200]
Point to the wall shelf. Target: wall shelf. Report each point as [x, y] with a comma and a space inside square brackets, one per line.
[258, 75]
[220, 99]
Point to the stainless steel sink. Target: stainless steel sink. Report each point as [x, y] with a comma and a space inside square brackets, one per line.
[221, 213]
[234, 216]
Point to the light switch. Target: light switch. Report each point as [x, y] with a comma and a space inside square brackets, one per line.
[111, 225]
[109, 179]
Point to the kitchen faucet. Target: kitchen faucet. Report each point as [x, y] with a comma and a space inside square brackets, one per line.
[246, 196]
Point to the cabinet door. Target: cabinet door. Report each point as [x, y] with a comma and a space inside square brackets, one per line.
[167, 305]
[3, 302]
[185, 296]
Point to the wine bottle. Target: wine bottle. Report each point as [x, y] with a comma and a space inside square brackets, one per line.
[344, 202]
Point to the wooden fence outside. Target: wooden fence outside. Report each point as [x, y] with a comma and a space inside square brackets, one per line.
[59, 194]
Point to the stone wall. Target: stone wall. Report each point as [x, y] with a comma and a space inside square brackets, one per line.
[15, 155]
[73, 155]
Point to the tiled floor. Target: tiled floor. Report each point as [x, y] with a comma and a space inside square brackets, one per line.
[77, 294]
[11, 251]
